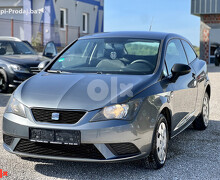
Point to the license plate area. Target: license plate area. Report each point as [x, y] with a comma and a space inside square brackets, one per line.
[70, 137]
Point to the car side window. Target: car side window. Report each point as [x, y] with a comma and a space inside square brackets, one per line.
[191, 55]
[6, 48]
[175, 54]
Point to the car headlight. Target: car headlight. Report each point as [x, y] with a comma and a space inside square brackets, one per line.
[118, 111]
[15, 107]
[17, 68]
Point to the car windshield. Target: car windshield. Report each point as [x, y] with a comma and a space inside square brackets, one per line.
[15, 48]
[110, 56]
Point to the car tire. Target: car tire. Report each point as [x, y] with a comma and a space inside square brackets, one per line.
[202, 121]
[4, 85]
[216, 61]
[157, 157]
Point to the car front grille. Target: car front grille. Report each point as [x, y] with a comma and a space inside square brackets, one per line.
[34, 70]
[124, 149]
[65, 117]
[7, 139]
[88, 151]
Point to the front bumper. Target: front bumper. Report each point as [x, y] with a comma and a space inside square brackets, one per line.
[116, 159]
[106, 141]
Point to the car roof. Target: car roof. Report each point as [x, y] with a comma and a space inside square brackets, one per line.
[133, 34]
[8, 38]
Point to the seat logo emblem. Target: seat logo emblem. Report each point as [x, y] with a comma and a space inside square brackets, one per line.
[55, 116]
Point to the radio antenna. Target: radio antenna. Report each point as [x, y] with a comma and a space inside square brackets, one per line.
[151, 24]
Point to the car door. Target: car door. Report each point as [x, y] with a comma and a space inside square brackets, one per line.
[195, 63]
[184, 88]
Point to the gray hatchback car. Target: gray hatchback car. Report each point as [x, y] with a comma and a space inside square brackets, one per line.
[110, 97]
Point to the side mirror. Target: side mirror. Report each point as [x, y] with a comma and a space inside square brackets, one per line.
[42, 65]
[179, 70]
[50, 50]
[49, 55]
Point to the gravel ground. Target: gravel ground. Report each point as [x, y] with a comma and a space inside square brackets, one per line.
[191, 155]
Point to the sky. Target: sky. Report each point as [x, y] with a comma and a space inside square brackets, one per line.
[173, 16]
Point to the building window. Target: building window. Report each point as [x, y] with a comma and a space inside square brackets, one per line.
[63, 19]
[85, 23]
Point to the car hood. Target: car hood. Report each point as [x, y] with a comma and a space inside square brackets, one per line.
[23, 59]
[79, 91]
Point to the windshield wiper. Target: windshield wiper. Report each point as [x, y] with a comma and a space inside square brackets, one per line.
[57, 71]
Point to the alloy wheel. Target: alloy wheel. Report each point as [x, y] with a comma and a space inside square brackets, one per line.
[162, 142]
[205, 111]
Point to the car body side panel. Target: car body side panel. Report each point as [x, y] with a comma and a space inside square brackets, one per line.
[158, 98]
[183, 101]
[202, 81]
[184, 97]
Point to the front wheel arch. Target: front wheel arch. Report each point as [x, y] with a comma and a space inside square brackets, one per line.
[5, 76]
[153, 161]
[167, 113]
